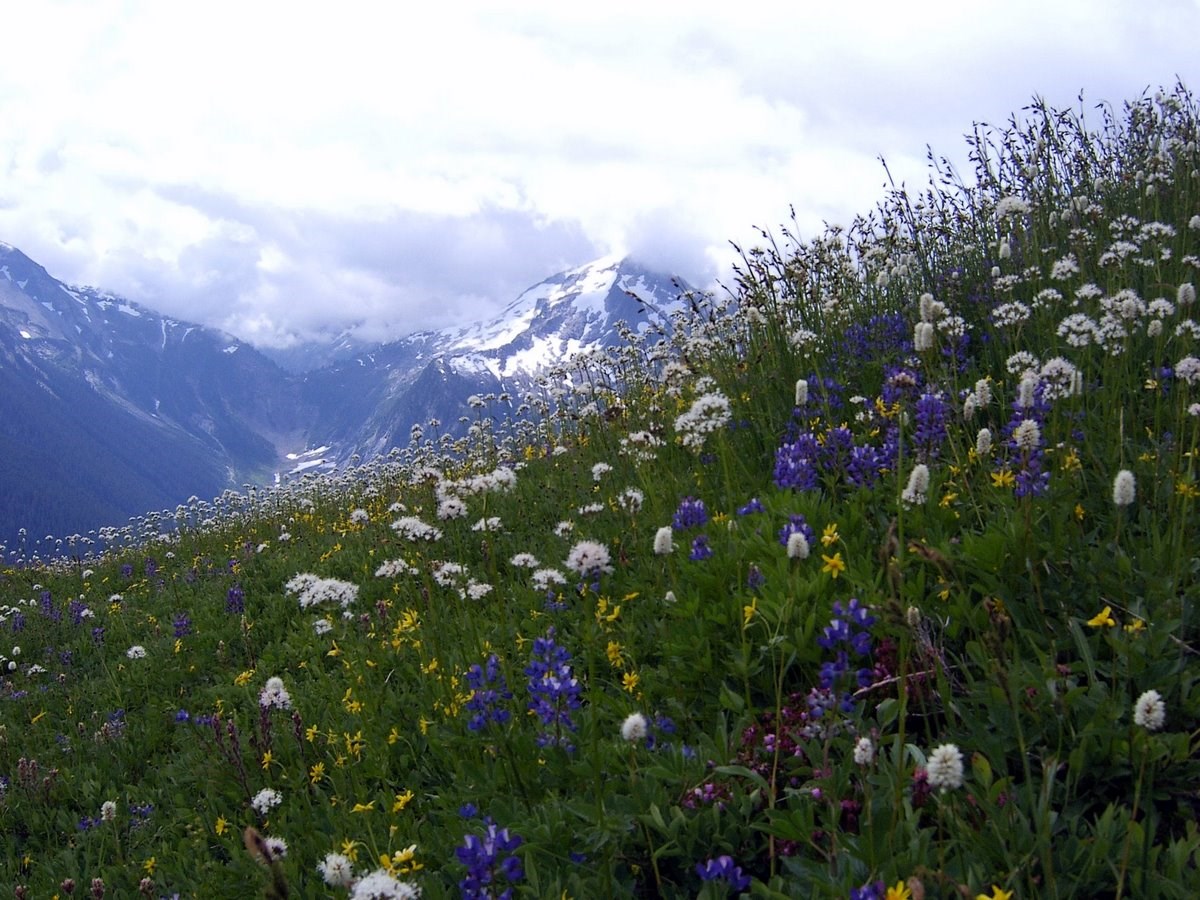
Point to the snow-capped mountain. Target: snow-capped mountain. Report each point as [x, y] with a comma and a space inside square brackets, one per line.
[369, 404]
[111, 410]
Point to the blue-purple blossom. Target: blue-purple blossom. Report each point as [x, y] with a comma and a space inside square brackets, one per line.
[182, 624]
[691, 513]
[929, 432]
[491, 863]
[235, 600]
[754, 506]
[554, 690]
[847, 633]
[489, 690]
[796, 463]
[723, 868]
[700, 549]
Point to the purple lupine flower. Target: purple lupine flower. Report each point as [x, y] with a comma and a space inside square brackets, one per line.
[182, 623]
[490, 862]
[488, 690]
[691, 513]
[796, 463]
[723, 868]
[836, 450]
[700, 549]
[235, 600]
[847, 633]
[932, 412]
[553, 688]
[754, 506]
[872, 890]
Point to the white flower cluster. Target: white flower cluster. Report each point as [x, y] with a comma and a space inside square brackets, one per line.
[945, 768]
[266, 800]
[640, 446]
[708, 413]
[918, 485]
[543, 579]
[382, 885]
[589, 558]
[413, 529]
[1149, 711]
[312, 590]
[394, 568]
[274, 695]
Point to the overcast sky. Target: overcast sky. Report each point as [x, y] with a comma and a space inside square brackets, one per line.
[279, 169]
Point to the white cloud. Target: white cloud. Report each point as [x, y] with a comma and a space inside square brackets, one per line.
[285, 167]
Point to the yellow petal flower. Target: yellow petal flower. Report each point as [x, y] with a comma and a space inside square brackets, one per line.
[899, 892]
[1103, 619]
[997, 893]
[834, 565]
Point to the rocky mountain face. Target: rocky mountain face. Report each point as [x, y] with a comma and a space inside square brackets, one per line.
[109, 409]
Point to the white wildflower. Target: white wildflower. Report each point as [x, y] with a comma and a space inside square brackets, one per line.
[797, 546]
[336, 870]
[266, 800]
[945, 768]
[864, 751]
[274, 695]
[983, 442]
[663, 543]
[918, 485]
[589, 558]
[137, 651]
[543, 578]
[1124, 488]
[1149, 711]
[801, 392]
[524, 561]
[634, 727]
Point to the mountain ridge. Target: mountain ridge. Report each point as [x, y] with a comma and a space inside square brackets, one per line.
[155, 409]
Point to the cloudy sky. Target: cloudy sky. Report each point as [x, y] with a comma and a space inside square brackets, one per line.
[283, 169]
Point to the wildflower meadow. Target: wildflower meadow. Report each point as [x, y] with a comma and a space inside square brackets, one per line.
[872, 576]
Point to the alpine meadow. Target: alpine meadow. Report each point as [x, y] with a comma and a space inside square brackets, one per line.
[873, 576]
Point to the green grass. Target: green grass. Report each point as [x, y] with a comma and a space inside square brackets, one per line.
[1007, 607]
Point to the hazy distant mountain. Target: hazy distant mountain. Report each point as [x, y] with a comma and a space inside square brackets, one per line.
[368, 404]
[110, 410]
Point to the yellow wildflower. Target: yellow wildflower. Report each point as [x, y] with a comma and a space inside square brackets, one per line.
[221, 825]
[267, 759]
[748, 612]
[393, 735]
[350, 849]
[244, 678]
[1135, 626]
[316, 773]
[363, 807]
[613, 651]
[899, 892]
[402, 800]
[830, 534]
[997, 893]
[148, 866]
[1003, 479]
[834, 565]
[1103, 619]
[1078, 512]
[630, 680]
[310, 733]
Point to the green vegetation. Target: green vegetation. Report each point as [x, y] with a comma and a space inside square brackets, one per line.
[877, 578]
